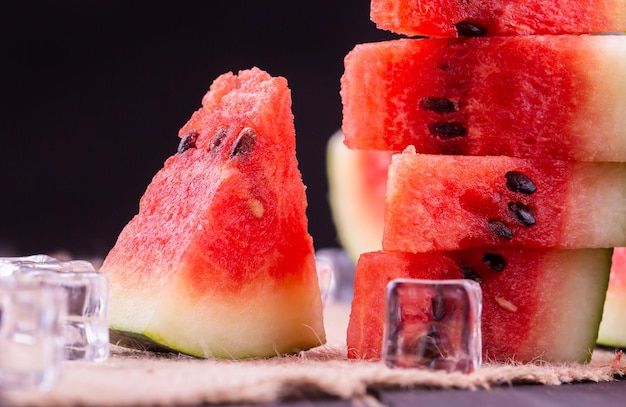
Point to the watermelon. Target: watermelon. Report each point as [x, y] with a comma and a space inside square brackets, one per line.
[446, 202]
[489, 96]
[538, 304]
[218, 261]
[613, 327]
[498, 17]
[357, 184]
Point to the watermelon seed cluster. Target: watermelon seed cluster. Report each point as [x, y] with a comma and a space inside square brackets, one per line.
[495, 262]
[525, 110]
[243, 144]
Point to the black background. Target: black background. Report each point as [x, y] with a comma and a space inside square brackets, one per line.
[95, 91]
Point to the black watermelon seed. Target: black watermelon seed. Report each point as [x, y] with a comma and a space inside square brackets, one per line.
[467, 29]
[447, 130]
[218, 138]
[244, 144]
[495, 261]
[499, 228]
[438, 305]
[519, 182]
[470, 274]
[187, 141]
[523, 213]
[437, 105]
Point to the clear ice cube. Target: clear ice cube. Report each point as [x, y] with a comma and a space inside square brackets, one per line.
[10, 265]
[433, 324]
[326, 278]
[86, 326]
[32, 319]
[343, 272]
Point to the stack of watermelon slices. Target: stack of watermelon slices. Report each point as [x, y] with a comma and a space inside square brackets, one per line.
[511, 169]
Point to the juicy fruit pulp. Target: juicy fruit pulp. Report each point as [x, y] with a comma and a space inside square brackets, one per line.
[489, 96]
[498, 17]
[613, 327]
[532, 299]
[218, 261]
[479, 202]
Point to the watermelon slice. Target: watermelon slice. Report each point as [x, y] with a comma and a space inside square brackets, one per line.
[537, 304]
[218, 261]
[445, 202]
[498, 17]
[357, 184]
[613, 327]
[489, 96]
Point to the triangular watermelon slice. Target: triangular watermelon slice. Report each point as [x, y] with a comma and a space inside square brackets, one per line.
[218, 261]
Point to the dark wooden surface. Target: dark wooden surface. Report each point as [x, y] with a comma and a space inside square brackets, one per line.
[610, 394]
[606, 394]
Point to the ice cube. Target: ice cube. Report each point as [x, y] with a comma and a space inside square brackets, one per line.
[9, 265]
[326, 279]
[343, 272]
[433, 324]
[86, 326]
[32, 318]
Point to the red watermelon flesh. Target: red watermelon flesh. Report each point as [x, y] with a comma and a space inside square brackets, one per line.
[498, 17]
[445, 202]
[613, 327]
[537, 304]
[218, 261]
[559, 97]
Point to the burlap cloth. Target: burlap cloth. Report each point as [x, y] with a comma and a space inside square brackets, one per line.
[135, 378]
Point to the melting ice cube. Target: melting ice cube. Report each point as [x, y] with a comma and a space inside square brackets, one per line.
[433, 324]
[326, 278]
[32, 320]
[342, 266]
[86, 326]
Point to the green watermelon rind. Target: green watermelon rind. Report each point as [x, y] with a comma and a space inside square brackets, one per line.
[149, 342]
[601, 269]
[612, 331]
[133, 340]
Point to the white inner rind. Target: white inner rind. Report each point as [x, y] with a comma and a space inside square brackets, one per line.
[613, 326]
[601, 119]
[596, 203]
[575, 310]
[267, 320]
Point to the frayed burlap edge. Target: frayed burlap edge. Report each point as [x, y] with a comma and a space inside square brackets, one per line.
[134, 378]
